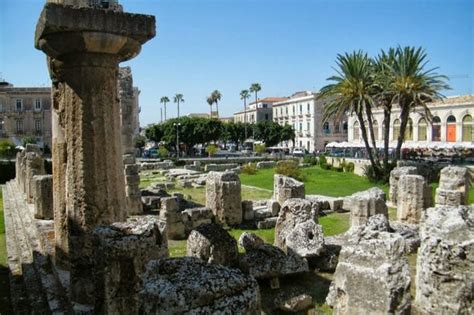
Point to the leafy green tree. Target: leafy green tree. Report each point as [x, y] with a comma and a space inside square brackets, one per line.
[211, 149]
[163, 152]
[352, 93]
[139, 141]
[268, 131]
[178, 98]
[414, 86]
[164, 100]
[154, 132]
[7, 149]
[288, 134]
[260, 148]
[255, 88]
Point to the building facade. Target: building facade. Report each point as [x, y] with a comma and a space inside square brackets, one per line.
[258, 111]
[452, 122]
[304, 111]
[25, 112]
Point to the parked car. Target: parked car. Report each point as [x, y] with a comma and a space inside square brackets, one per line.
[298, 152]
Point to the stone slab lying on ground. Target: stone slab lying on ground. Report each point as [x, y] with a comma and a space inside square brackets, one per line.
[165, 165]
[191, 286]
[213, 244]
[445, 273]
[268, 223]
[220, 167]
[327, 202]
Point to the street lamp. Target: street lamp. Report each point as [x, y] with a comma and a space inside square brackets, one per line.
[177, 139]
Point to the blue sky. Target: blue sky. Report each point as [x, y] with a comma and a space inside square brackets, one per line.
[285, 45]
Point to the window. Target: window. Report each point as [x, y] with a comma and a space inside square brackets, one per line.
[293, 109]
[19, 125]
[286, 109]
[265, 105]
[409, 130]
[356, 131]
[422, 127]
[38, 104]
[467, 128]
[301, 127]
[344, 126]
[266, 116]
[308, 107]
[375, 124]
[451, 129]
[326, 128]
[307, 126]
[436, 129]
[396, 129]
[336, 128]
[38, 125]
[301, 109]
[19, 104]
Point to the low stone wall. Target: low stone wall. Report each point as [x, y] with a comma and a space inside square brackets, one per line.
[359, 164]
[165, 165]
[220, 167]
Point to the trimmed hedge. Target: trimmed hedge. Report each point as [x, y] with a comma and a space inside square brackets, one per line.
[7, 171]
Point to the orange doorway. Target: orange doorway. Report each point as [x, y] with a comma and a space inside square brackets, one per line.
[451, 133]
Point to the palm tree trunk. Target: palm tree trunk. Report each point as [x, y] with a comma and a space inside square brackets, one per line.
[210, 111]
[217, 109]
[386, 135]
[403, 126]
[245, 118]
[178, 108]
[371, 131]
[366, 141]
[165, 110]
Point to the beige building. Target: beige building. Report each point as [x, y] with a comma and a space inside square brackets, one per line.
[304, 112]
[25, 112]
[452, 122]
[258, 111]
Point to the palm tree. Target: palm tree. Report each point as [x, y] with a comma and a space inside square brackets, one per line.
[413, 86]
[255, 88]
[210, 101]
[164, 100]
[351, 92]
[244, 95]
[216, 96]
[178, 98]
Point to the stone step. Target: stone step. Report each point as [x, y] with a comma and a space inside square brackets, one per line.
[41, 270]
[19, 298]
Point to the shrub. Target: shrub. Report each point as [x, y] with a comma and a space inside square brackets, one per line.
[349, 167]
[249, 169]
[260, 148]
[323, 163]
[338, 169]
[7, 149]
[211, 149]
[309, 159]
[289, 168]
[163, 152]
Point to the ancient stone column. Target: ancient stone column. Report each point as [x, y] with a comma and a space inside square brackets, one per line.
[223, 197]
[414, 196]
[454, 186]
[128, 123]
[84, 47]
[365, 204]
[43, 196]
[394, 178]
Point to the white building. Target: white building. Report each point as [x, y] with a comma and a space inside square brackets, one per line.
[258, 111]
[304, 112]
[452, 123]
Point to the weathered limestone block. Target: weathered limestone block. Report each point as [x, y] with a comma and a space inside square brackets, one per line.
[223, 197]
[268, 261]
[285, 188]
[194, 217]
[165, 165]
[220, 167]
[213, 244]
[172, 216]
[250, 241]
[296, 303]
[43, 196]
[327, 203]
[274, 207]
[372, 276]
[445, 273]
[365, 204]
[296, 229]
[34, 165]
[190, 286]
[266, 164]
[453, 189]
[395, 175]
[247, 210]
[267, 223]
[122, 251]
[414, 196]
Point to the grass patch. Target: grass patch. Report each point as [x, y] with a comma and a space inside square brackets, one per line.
[5, 306]
[317, 181]
[335, 223]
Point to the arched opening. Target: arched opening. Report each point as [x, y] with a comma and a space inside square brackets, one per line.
[451, 129]
[356, 132]
[409, 130]
[396, 129]
[467, 128]
[436, 129]
[422, 127]
[376, 130]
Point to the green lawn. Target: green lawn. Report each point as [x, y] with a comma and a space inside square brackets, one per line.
[317, 181]
[5, 307]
